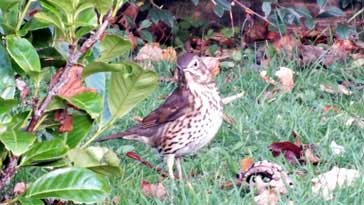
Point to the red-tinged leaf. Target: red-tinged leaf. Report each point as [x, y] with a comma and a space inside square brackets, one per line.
[64, 119]
[153, 190]
[73, 85]
[287, 148]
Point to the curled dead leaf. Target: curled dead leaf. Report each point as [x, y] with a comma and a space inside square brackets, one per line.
[339, 89]
[73, 85]
[285, 76]
[154, 190]
[65, 120]
[153, 52]
[326, 183]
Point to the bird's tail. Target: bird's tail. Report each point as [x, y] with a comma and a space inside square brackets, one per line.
[119, 135]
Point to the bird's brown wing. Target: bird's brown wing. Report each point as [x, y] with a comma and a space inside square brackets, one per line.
[177, 104]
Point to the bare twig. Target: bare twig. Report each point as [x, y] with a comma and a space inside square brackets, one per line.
[74, 56]
[9, 171]
[249, 11]
[232, 98]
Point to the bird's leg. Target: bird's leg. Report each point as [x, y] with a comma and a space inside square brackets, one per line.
[179, 168]
[170, 162]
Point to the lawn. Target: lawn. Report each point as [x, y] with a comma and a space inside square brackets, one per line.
[259, 122]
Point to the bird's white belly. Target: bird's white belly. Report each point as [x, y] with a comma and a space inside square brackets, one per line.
[210, 127]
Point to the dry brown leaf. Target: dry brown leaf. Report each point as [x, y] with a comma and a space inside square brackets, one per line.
[340, 89]
[150, 51]
[74, 84]
[65, 120]
[154, 190]
[286, 44]
[285, 76]
[169, 54]
[326, 183]
[310, 54]
[267, 197]
[266, 78]
[246, 164]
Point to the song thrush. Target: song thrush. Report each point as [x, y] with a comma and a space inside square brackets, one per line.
[188, 119]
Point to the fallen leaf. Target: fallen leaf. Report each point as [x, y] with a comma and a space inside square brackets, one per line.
[296, 152]
[287, 44]
[326, 183]
[311, 54]
[285, 76]
[19, 188]
[246, 164]
[340, 89]
[263, 74]
[169, 54]
[153, 190]
[328, 108]
[336, 149]
[268, 197]
[150, 52]
[291, 152]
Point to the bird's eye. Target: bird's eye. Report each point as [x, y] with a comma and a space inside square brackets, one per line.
[195, 64]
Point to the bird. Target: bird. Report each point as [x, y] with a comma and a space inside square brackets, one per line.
[189, 118]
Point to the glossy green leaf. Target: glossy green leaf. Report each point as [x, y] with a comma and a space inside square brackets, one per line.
[23, 53]
[7, 80]
[76, 184]
[7, 4]
[82, 125]
[331, 12]
[87, 18]
[44, 151]
[344, 31]
[17, 141]
[103, 6]
[30, 201]
[90, 102]
[6, 105]
[267, 8]
[98, 67]
[128, 87]
[48, 18]
[113, 46]
[98, 159]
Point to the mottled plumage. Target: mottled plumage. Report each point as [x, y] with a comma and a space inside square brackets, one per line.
[188, 119]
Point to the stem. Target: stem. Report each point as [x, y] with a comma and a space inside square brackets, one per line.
[98, 132]
[22, 15]
[9, 171]
[73, 58]
[248, 10]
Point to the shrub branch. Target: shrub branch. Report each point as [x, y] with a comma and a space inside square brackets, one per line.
[74, 56]
[8, 172]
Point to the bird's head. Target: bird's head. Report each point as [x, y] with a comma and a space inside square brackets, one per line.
[192, 69]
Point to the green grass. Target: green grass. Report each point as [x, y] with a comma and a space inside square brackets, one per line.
[257, 126]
